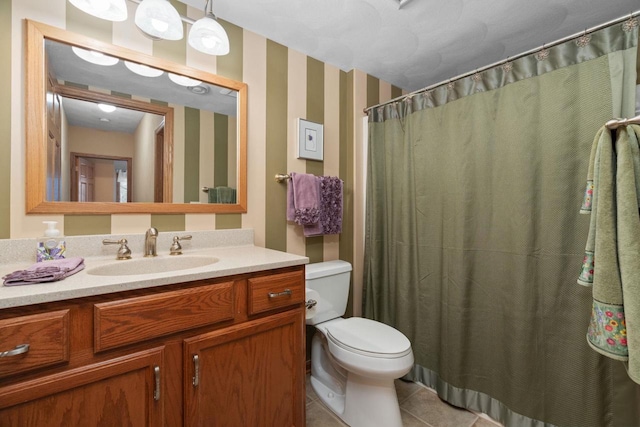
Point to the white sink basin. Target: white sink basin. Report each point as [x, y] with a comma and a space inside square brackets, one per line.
[151, 265]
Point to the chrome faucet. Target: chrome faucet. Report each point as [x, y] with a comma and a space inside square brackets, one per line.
[150, 242]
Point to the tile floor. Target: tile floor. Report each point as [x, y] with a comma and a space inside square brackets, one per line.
[419, 407]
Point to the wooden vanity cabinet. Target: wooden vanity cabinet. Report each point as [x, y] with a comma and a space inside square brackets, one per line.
[125, 391]
[192, 354]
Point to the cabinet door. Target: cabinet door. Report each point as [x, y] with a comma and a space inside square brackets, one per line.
[247, 375]
[126, 391]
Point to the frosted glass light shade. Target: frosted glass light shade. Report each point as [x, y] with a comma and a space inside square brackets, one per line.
[95, 57]
[143, 70]
[111, 10]
[158, 19]
[208, 36]
[183, 80]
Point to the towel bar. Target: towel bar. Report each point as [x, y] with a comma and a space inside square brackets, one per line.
[282, 177]
[616, 123]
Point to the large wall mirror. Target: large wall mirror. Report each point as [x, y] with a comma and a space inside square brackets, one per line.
[110, 130]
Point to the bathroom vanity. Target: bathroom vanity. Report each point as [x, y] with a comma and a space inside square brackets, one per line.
[216, 345]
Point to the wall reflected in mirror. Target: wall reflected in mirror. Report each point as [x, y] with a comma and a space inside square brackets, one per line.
[107, 129]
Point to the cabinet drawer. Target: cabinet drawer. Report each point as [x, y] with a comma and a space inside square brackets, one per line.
[46, 334]
[275, 291]
[137, 319]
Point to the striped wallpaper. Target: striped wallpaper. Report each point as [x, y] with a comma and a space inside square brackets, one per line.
[284, 85]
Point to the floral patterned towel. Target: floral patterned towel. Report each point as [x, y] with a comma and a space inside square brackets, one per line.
[612, 198]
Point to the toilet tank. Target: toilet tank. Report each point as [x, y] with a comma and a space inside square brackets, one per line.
[330, 280]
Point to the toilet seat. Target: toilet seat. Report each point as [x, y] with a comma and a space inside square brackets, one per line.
[369, 338]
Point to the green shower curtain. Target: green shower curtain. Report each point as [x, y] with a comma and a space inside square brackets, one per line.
[474, 241]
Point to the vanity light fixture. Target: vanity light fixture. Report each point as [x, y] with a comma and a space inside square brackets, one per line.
[111, 10]
[143, 70]
[95, 57]
[107, 108]
[183, 80]
[159, 20]
[207, 35]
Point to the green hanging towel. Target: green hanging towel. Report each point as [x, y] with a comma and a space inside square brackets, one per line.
[614, 239]
[222, 195]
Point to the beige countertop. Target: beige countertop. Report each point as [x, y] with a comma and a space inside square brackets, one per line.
[230, 260]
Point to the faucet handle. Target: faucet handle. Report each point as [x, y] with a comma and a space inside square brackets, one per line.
[123, 252]
[176, 248]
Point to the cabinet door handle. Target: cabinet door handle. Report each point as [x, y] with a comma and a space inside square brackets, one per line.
[156, 390]
[19, 349]
[286, 292]
[196, 370]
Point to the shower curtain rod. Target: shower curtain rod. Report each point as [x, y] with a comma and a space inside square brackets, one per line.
[511, 58]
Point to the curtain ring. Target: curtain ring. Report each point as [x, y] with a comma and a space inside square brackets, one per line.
[583, 40]
[630, 24]
[507, 66]
[542, 53]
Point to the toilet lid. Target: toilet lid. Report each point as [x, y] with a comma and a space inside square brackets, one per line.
[368, 337]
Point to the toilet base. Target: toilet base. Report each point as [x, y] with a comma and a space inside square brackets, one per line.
[359, 401]
[366, 403]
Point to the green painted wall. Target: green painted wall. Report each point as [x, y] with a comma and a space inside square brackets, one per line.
[315, 113]
[221, 150]
[276, 146]
[191, 154]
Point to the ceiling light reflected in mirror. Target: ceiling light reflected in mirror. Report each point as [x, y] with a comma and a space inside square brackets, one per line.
[107, 108]
[95, 57]
[143, 70]
[183, 80]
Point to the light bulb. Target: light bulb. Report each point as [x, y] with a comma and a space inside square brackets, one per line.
[161, 26]
[210, 41]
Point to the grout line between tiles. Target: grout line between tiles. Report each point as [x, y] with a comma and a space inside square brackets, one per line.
[475, 420]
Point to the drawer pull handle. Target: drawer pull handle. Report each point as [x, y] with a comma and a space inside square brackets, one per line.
[286, 292]
[20, 349]
[156, 390]
[196, 370]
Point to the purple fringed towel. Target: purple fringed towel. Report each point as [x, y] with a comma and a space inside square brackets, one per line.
[303, 199]
[330, 221]
[46, 271]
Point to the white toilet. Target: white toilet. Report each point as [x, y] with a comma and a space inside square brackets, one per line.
[354, 361]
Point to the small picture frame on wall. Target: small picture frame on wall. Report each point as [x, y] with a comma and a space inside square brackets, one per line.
[310, 140]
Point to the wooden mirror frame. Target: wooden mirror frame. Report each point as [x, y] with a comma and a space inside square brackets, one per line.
[36, 132]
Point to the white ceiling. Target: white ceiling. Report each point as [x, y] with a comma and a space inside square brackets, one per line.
[421, 43]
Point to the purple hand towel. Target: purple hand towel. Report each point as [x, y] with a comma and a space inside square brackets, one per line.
[330, 208]
[46, 271]
[303, 198]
